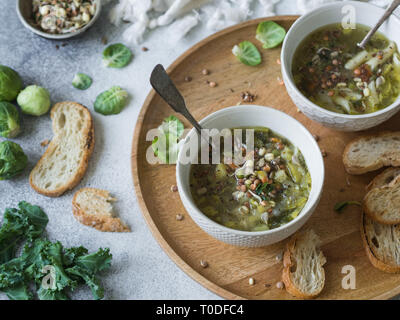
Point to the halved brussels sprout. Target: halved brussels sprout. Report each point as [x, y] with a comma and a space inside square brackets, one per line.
[10, 84]
[9, 120]
[12, 160]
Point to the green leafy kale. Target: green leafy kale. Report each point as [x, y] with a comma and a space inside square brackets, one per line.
[41, 258]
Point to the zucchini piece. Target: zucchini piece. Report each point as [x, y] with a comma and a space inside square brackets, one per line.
[281, 176]
[294, 172]
[261, 228]
[220, 172]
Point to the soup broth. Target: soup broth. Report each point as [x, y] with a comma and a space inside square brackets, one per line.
[268, 190]
[334, 73]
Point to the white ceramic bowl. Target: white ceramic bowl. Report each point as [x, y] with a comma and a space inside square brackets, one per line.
[367, 14]
[281, 123]
[24, 11]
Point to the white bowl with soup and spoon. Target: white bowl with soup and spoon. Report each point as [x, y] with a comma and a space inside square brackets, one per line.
[250, 116]
[366, 14]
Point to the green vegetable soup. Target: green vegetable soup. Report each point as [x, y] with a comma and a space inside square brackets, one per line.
[266, 191]
[334, 73]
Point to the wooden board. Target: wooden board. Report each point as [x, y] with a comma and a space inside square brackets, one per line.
[230, 267]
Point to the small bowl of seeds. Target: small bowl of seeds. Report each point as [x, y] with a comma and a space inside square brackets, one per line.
[58, 19]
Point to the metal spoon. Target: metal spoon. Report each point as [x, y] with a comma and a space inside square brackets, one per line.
[385, 16]
[163, 85]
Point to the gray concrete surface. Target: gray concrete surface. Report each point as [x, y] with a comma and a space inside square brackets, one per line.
[140, 269]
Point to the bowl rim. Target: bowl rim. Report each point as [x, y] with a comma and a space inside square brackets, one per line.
[184, 194]
[287, 74]
[52, 36]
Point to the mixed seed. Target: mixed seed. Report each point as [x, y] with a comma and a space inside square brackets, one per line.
[267, 190]
[62, 16]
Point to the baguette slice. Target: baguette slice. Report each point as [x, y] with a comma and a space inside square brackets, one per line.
[382, 204]
[382, 244]
[384, 178]
[93, 207]
[303, 273]
[65, 161]
[372, 152]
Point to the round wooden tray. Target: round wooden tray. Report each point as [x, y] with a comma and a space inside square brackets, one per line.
[230, 267]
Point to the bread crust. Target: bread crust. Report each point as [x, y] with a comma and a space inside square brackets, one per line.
[373, 215]
[370, 254]
[89, 147]
[286, 274]
[103, 223]
[384, 178]
[388, 161]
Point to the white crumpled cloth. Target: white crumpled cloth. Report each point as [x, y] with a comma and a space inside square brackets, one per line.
[181, 16]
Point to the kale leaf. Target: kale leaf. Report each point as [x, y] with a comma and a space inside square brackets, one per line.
[40, 258]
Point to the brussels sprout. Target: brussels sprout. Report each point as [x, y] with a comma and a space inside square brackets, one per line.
[247, 53]
[270, 34]
[12, 160]
[10, 84]
[111, 101]
[34, 100]
[82, 81]
[9, 120]
[116, 56]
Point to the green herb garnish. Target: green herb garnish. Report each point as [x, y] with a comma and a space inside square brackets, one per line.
[341, 205]
[247, 53]
[270, 34]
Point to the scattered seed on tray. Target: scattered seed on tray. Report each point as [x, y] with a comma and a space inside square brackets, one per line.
[324, 154]
[279, 257]
[278, 61]
[144, 49]
[204, 263]
[205, 72]
[57, 46]
[174, 188]
[252, 281]
[104, 40]
[188, 78]
[280, 81]
[280, 285]
[248, 97]
[298, 110]
[267, 285]
[212, 84]
[179, 217]
[64, 44]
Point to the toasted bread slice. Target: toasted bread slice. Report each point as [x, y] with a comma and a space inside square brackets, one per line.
[372, 152]
[382, 204]
[303, 273]
[382, 244]
[93, 207]
[65, 161]
[384, 178]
